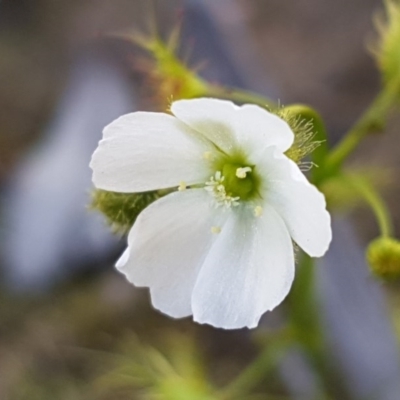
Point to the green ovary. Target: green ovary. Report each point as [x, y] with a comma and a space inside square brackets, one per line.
[245, 188]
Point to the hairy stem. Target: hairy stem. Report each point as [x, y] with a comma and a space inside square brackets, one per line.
[239, 95]
[372, 120]
[375, 201]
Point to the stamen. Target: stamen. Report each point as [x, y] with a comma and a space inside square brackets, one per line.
[258, 211]
[306, 166]
[216, 230]
[207, 155]
[241, 173]
[182, 186]
[216, 187]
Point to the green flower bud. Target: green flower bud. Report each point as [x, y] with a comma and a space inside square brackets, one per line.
[387, 50]
[121, 209]
[383, 256]
[305, 132]
[166, 76]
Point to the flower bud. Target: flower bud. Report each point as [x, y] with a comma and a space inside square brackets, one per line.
[383, 256]
[166, 76]
[387, 50]
[304, 132]
[121, 209]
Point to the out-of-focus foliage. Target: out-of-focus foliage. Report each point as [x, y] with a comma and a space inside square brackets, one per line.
[340, 193]
[144, 370]
[65, 348]
[387, 51]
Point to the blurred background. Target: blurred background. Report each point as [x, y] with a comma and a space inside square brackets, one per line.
[66, 316]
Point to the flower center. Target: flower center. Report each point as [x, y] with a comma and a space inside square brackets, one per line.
[233, 183]
[239, 180]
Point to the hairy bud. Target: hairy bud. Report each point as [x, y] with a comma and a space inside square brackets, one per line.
[383, 256]
[387, 50]
[121, 209]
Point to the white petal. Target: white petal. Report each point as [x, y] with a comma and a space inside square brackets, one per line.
[260, 129]
[301, 205]
[230, 127]
[168, 244]
[247, 272]
[146, 151]
[121, 262]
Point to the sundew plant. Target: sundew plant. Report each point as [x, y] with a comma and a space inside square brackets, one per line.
[226, 198]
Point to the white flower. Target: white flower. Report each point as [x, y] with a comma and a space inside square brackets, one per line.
[219, 248]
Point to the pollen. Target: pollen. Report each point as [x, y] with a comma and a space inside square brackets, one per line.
[216, 230]
[241, 173]
[182, 186]
[207, 155]
[258, 211]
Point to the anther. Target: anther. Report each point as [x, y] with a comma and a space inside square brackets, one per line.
[207, 155]
[241, 173]
[215, 230]
[182, 186]
[258, 211]
[216, 187]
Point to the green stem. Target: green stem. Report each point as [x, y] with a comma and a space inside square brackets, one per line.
[304, 316]
[239, 95]
[251, 376]
[372, 120]
[375, 201]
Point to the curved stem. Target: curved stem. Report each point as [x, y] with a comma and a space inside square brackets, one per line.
[304, 317]
[372, 120]
[375, 201]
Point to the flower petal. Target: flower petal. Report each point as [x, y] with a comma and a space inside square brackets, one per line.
[121, 262]
[167, 246]
[230, 126]
[301, 205]
[247, 272]
[260, 129]
[146, 151]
